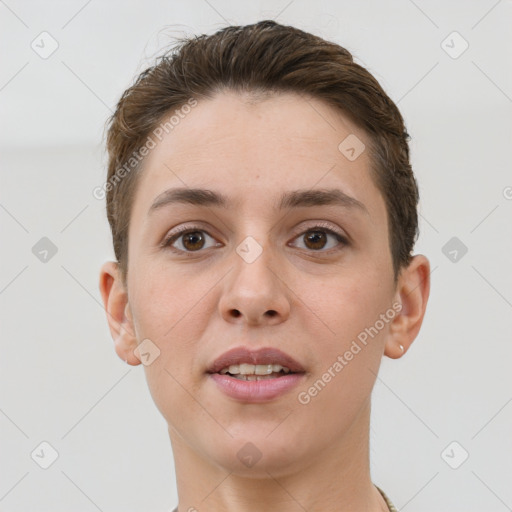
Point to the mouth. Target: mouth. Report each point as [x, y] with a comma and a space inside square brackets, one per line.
[255, 376]
[255, 372]
[264, 361]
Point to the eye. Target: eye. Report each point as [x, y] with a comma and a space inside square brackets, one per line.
[316, 238]
[188, 239]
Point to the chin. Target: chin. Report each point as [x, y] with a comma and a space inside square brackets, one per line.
[258, 456]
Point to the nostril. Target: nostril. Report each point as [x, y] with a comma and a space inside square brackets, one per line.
[271, 313]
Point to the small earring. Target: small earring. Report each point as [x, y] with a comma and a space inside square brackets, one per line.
[401, 347]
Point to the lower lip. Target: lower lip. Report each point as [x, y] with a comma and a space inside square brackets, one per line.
[256, 390]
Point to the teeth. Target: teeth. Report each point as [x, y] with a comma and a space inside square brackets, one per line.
[254, 369]
[256, 377]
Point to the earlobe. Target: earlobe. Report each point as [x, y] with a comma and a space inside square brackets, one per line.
[412, 293]
[119, 316]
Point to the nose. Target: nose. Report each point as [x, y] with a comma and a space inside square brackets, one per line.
[255, 293]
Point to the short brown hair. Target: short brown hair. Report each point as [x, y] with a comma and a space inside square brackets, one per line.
[262, 58]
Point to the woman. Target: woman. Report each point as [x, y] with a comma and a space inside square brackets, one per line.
[263, 214]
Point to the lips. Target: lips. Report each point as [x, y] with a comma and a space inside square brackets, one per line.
[256, 389]
[264, 356]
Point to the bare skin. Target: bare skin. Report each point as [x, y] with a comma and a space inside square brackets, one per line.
[204, 299]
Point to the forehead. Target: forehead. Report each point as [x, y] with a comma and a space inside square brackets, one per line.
[254, 150]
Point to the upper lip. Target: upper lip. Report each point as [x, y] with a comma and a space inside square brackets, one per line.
[265, 355]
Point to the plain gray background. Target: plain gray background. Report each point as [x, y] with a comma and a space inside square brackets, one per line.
[60, 379]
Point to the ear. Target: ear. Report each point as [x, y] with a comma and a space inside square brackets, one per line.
[412, 293]
[119, 315]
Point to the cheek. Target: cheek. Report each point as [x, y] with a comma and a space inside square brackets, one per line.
[351, 303]
[350, 352]
[348, 358]
[169, 306]
[168, 312]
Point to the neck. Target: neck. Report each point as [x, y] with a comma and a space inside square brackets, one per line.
[336, 479]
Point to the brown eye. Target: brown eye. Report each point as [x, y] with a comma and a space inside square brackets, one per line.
[189, 240]
[318, 239]
[193, 241]
[315, 239]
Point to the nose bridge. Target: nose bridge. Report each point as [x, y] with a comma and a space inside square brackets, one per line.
[253, 264]
[254, 291]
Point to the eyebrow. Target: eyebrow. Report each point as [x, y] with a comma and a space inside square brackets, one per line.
[291, 199]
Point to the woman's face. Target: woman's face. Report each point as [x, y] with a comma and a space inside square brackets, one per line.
[311, 276]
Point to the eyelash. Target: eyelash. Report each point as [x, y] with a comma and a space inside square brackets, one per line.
[183, 230]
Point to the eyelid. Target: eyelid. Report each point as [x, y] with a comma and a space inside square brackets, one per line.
[324, 225]
[180, 230]
[343, 239]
